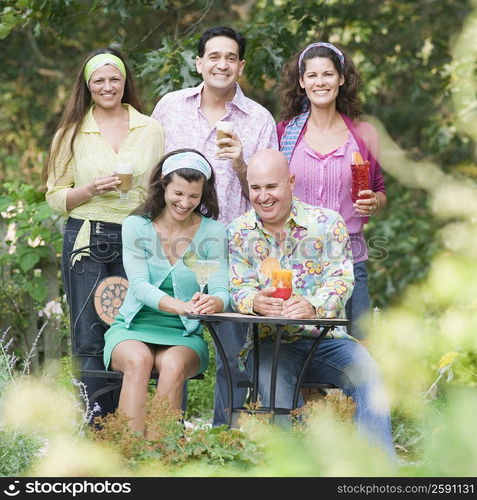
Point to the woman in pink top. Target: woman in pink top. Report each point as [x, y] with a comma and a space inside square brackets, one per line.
[319, 132]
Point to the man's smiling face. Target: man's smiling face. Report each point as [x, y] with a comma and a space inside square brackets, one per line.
[220, 66]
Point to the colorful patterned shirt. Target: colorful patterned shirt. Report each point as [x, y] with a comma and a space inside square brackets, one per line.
[186, 126]
[317, 250]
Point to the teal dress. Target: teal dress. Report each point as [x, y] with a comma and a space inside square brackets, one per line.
[153, 326]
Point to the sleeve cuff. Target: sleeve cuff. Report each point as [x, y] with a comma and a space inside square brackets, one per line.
[152, 299]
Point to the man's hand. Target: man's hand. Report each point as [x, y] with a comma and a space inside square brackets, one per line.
[265, 304]
[230, 148]
[297, 307]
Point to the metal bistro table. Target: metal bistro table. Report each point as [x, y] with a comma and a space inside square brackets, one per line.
[210, 320]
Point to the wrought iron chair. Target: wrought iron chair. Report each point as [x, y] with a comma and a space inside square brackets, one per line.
[108, 295]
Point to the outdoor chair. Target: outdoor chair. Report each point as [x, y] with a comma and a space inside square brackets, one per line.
[107, 295]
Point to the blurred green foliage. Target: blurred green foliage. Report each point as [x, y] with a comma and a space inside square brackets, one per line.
[31, 238]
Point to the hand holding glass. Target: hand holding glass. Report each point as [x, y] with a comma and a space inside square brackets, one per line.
[125, 173]
[224, 129]
[360, 181]
[282, 281]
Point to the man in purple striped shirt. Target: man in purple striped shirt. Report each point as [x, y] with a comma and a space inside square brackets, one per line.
[189, 118]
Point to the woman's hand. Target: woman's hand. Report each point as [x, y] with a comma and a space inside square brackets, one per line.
[103, 184]
[202, 303]
[371, 205]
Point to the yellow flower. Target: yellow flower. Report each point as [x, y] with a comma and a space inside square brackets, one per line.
[447, 359]
[313, 267]
[340, 231]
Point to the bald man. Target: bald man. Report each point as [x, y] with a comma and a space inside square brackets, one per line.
[314, 243]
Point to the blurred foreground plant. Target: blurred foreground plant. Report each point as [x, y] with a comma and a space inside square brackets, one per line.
[17, 449]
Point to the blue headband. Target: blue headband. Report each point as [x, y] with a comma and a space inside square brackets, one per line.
[187, 159]
[322, 44]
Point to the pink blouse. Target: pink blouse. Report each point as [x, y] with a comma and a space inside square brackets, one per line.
[325, 181]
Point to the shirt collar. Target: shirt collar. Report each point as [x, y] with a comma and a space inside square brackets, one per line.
[239, 100]
[297, 215]
[89, 124]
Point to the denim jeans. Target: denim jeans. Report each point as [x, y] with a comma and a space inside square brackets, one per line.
[357, 306]
[344, 363]
[87, 331]
[232, 337]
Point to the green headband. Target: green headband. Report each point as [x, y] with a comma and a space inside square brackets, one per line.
[100, 60]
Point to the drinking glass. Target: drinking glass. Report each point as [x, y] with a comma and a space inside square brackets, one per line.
[223, 132]
[360, 182]
[203, 269]
[282, 281]
[125, 173]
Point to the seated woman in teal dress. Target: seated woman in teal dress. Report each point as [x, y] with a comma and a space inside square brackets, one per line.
[151, 330]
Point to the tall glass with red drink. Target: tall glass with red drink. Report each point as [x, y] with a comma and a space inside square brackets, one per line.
[360, 180]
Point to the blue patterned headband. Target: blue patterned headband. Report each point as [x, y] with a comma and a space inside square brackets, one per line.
[322, 44]
[187, 159]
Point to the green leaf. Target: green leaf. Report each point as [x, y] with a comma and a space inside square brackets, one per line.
[37, 290]
[28, 260]
[9, 21]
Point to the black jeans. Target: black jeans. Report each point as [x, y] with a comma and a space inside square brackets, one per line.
[81, 280]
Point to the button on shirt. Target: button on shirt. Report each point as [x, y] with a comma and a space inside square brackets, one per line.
[317, 250]
[186, 126]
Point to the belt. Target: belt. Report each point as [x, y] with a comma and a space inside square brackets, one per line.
[99, 227]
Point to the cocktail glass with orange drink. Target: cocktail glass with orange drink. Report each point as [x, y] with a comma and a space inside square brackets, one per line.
[282, 281]
[281, 278]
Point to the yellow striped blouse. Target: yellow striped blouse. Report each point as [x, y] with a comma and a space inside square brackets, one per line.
[93, 156]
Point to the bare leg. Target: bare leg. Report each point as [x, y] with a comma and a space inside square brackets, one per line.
[175, 365]
[135, 360]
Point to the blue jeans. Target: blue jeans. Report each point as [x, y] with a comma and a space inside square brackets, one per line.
[232, 337]
[358, 305]
[344, 363]
[87, 331]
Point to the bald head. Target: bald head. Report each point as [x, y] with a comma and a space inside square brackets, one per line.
[270, 187]
[269, 164]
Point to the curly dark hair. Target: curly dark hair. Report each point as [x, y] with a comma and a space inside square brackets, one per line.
[293, 97]
[77, 106]
[152, 206]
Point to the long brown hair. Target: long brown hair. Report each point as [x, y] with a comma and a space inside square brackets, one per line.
[293, 98]
[76, 108]
[152, 206]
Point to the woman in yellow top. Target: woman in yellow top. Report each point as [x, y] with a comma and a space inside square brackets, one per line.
[101, 129]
